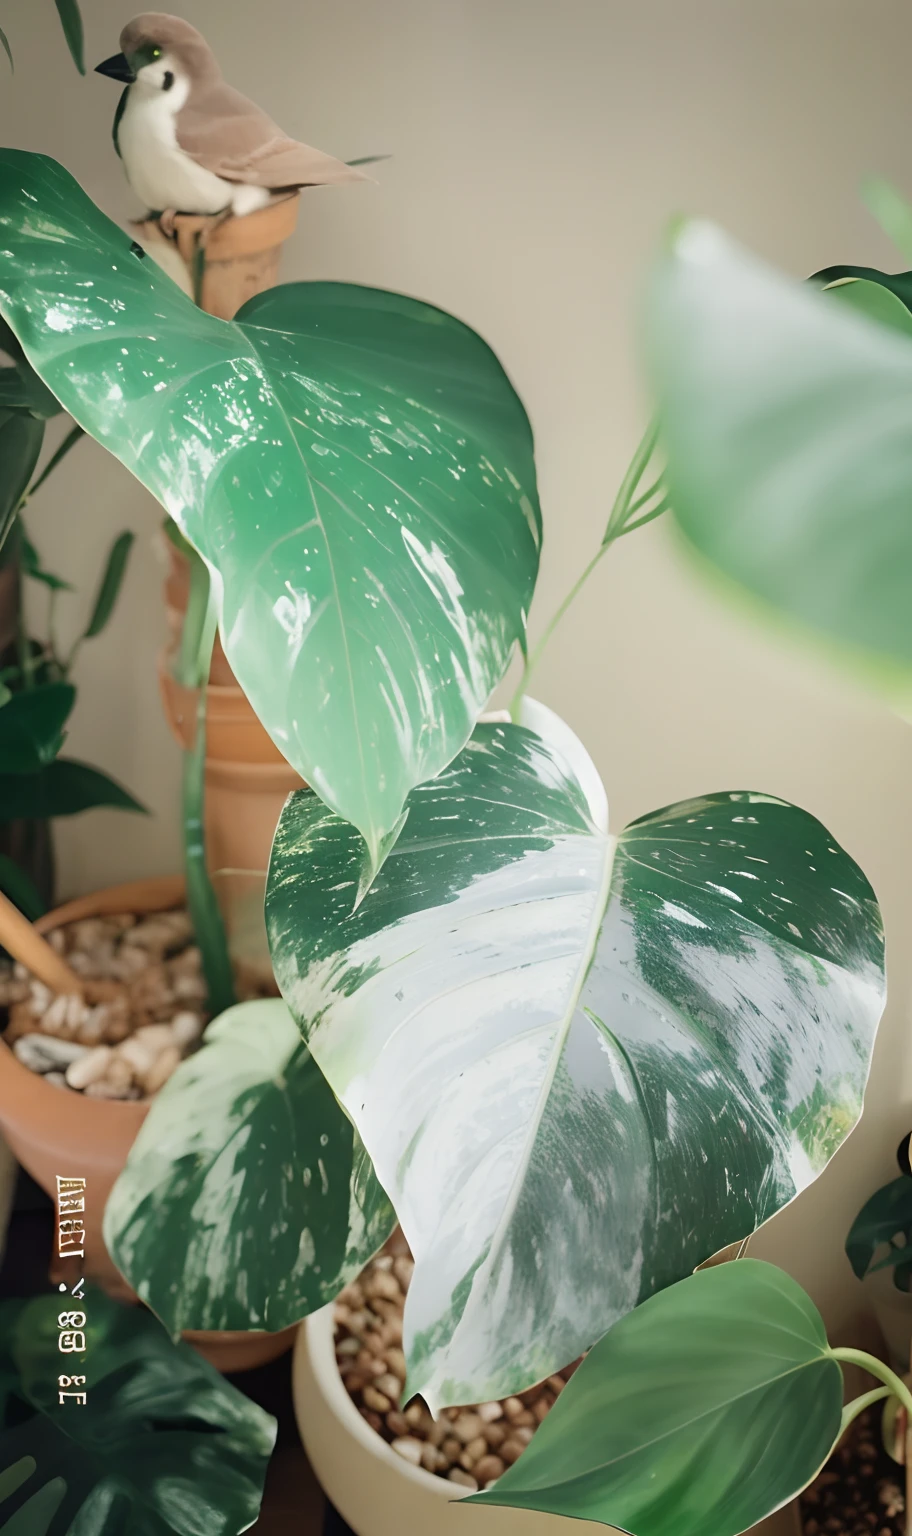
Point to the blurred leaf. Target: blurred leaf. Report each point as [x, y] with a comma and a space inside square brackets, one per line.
[891, 211]
[109, 587]
[71, 21]
[30, 562]
[886, 1215]
[65, 788]
[785, 421]
[4, 44]
[252, 1099]
[22, 390]
[31, 728]
[163, 1446]
[706, 1409]
[21, 436]
[15, 884]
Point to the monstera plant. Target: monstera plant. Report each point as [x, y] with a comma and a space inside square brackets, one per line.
[576, 1063]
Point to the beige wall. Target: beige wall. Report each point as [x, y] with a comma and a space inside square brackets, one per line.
[538, 149]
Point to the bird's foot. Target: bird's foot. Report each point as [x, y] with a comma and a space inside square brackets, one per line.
[166, 223]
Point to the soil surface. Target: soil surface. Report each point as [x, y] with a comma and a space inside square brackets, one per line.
[860, 1491]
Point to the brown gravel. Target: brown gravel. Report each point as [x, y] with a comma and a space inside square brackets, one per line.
[860, 1490]
[470, 1446]
[142, 1012]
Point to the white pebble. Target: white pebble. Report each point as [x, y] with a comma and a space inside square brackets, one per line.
[56, 1078]
[186, 1028]
[89, 1068]
[408, 1449]
[45, 1053]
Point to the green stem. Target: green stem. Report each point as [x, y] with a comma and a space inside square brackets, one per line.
[876, 1368]
[199, 635]
[638, 465]
[534, 655]
[858, 1405]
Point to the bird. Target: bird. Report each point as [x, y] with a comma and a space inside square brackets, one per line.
[191, 143]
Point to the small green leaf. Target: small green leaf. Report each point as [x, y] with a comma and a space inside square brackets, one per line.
[71, 21]
[22, 390]
[72, 437]
[15, 884]
[30, 562]
[162, 1445]
[31, 727]
[110, 584]
[700, 1413]
[21, 436]
[899, 283]
[891, 211]
[64, 788]
[4, 44]
[248, 1131]
[873, 300]
[885, 1216]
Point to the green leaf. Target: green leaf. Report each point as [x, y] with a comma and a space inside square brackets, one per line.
[785, 421]
[4, 43]
[579, 1065]
[874, 301]
[245, 1139]
[22, 390]
[30, 562]
[71, 21]
[354, 465]
[162, 1444]
[898, 283]
[888, 1214]
[21, 436]
[110, 584]
[701, 1412]
[64, 788]
[20, 889]
[32, 727]
[71, 439]
[891, 211]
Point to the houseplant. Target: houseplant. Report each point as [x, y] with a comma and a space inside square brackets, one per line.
[614, 1096]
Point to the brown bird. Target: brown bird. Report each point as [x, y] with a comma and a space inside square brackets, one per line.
[191, 143]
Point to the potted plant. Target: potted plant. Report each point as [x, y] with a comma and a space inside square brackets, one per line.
[562, 1052]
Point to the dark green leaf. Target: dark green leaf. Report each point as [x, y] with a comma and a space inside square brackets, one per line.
[17, 885]
[899, 283]
[110, 584]
[31, 727]
[248, 1131]
[874, 301]
[4, 43]
[785, 420]
[71, 21]
[22, 390]
[64, 788]
[162, 1444]
[355, 465]
[30, 561]
[580, 1065]
[72, 437]
[888, 1214]
[706, 1409]
[21, 436]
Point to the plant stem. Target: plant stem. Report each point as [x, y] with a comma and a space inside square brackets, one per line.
[197, 640]
[859, 1404]
[877, 1369]
[619, 523]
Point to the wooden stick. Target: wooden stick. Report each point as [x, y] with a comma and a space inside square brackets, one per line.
[25, 943]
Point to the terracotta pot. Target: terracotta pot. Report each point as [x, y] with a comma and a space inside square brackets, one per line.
[53, 1131]
[242, 254]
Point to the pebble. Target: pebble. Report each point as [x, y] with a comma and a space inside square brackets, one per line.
[57, 1078]
[471, 1446]
[141, 1013]
[45, 1053]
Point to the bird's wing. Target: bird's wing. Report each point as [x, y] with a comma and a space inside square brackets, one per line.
[232, 137]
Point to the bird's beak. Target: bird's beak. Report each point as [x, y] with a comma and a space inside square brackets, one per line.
[116, 68]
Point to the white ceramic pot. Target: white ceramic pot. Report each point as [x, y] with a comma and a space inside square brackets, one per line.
[373, 1489]
[378, 1493]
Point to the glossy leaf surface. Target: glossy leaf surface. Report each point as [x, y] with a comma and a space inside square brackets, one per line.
[162, 1444]
[785, 419]
[353, 466]
[579, 1069]
[700, 1413]
[247, 1200]
[65, 787]
[883, 1219]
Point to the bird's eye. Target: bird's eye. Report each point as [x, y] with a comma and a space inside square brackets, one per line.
[156, 53]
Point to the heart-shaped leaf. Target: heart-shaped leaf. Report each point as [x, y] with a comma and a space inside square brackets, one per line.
[703, 1411]
[32, 727]
[354, 467]
[887, 1215]
[246, 1139]
[161, 1445]
[580, 1065]
[785, 420]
